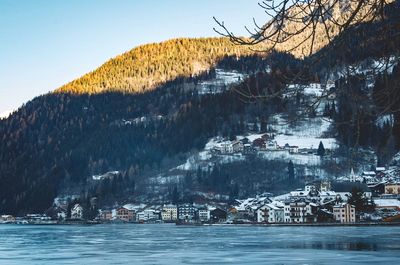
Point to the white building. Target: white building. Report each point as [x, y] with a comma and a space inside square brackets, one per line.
[310, 188]
[169, 213]
[271, 213]
[226, 147]
[204, 214]
[77, 212]
[299, 211]
[271, 145]
[344, 213]
[148, 215]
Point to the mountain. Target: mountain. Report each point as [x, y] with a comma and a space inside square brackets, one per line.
[143, 125]
[148, 66]
[306, 28]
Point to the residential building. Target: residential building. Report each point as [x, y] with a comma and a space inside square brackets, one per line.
[125, 214]
[271, 213]
[259, 143]
[218, 215]
[300, 211]
[392, 188]
[204, 214]
[186, 212]
[310, 188]
[77, 212]
[383, 203]
[271, 145]
[148, 215]
[226, 147]
[325, 185]
[106, 215]
[237, 147]
[344, 213]
[169, 213]
[248, 149]
[6, 219]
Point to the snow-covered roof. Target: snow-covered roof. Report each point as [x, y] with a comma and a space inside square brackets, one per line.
[302, 193]
[387, 203]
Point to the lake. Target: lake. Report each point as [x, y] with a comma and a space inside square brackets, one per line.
[170, 244]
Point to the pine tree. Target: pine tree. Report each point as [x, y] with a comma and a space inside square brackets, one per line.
[321, 149]
[290, 171]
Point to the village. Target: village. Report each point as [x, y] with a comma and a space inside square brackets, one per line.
[372, 197]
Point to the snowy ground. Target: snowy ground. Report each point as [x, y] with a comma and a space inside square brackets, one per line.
[284, 155]
[221, 82]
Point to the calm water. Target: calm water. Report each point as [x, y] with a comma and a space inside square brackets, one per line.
[169, 244]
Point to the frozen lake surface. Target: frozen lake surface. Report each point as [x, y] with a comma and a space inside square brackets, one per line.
[170, 244]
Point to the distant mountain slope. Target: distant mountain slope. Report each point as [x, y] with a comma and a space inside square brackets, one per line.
[56, 142]
[308, 28]
[148, 66]
[145, 67]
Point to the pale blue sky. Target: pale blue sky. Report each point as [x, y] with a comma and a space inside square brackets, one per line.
[46, 43]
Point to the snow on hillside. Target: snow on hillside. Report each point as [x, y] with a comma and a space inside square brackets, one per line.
[305, 142]
[301, 127]
[220, 83]
[381, 120]
[299, 159]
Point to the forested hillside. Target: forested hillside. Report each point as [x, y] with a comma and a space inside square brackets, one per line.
[145, 67]
[142, 113]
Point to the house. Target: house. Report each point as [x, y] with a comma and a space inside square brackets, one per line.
[377, 188]
[392, 188]
[218, 215]
[56, 213]
[300, 211]
[125, 214]
[248, 149]
[310, 188]
[169, 213]
[380, 169]
[237, 147]
[245, 141]
[271, 213]
[204, 214]
[259, 143]
[226, 147]
[77, 212]
[293, 149]
[325, 185]
[186, 212]
[344, 213]
[387, 204]
[7, 219]
[271, 145]
[328, 196]
[148, 215]
[299, 194]
[106, 215]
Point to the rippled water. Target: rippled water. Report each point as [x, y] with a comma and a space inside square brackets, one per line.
[170, 244]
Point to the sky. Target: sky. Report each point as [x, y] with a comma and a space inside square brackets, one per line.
[46, 43]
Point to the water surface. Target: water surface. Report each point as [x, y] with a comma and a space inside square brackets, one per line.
[170, 244]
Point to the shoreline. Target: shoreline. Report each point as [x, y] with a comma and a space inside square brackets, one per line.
[80, 223]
